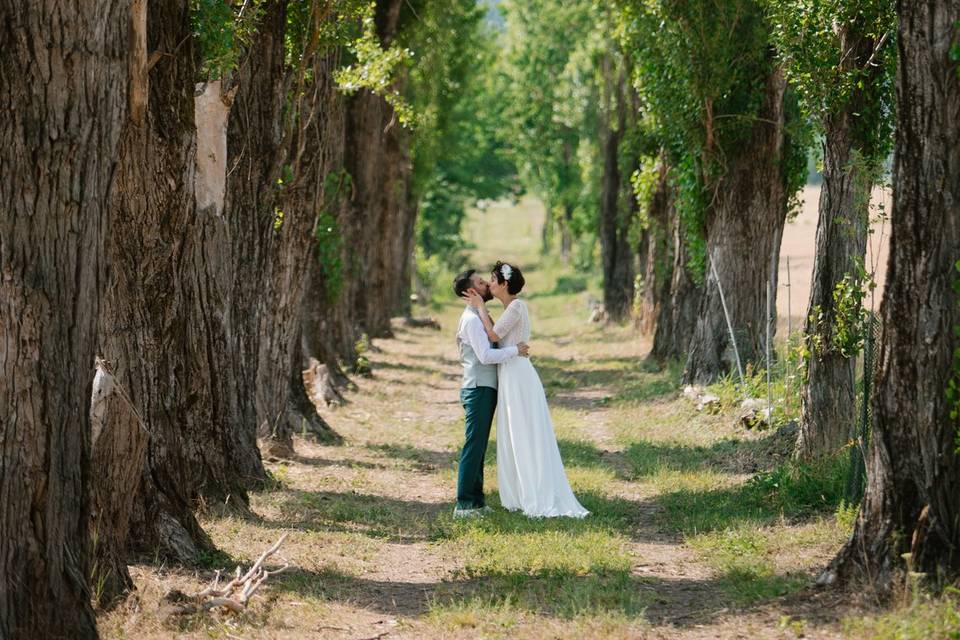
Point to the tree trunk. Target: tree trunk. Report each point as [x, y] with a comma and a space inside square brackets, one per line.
[328, 325]
[566, 234]
[912, 501]
[387, 291]
[282, 405]
[744, 228]
[656, 258]
[828, 399]
[404, 239]
[330, 331]
[546, 231]
[256, 155]
[63, 87]
[222, 256]
[162, 330]
[378, 228]
[382, 213]
[119, 455]
[678, 317]
[617, 208]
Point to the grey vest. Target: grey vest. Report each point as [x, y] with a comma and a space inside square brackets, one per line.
[475, 373]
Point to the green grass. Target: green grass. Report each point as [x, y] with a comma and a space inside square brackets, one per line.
[554, 595]
[649, 458]
[742, 529]
[211, 559]
[927, 618]
[558, 567]
[580, 453]
[421, 459]
[574, 283]
[747, 571]
[542, 553]
[791, 490]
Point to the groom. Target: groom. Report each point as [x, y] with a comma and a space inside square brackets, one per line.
[478, 393]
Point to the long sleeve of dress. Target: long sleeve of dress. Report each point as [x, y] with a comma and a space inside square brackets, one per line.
[510, 318]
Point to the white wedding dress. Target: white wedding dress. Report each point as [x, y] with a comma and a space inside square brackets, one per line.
[529, 469]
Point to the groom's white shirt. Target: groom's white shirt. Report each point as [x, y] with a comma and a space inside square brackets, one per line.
[472, 333]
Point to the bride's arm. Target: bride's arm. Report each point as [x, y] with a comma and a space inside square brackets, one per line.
[488, 324]
[477, 303]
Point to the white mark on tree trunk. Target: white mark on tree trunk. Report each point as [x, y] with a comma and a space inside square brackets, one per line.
[137, 64]
[103, 384]
[212, 112]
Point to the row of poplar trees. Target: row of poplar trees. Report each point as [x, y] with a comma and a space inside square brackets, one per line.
[200, 197]
[675, 134]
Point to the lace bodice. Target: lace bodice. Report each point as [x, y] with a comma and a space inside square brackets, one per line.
[513, 327]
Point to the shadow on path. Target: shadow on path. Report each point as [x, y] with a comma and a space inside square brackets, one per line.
[677, 602]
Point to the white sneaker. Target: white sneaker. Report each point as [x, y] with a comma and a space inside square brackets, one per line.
[467, 513]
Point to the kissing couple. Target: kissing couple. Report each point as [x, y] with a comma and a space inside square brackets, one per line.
[498, 375]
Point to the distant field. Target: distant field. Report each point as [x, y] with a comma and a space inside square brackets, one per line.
[799, 242]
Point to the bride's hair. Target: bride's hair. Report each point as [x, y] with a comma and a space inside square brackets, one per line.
[515, 282]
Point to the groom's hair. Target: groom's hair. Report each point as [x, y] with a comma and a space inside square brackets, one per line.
[463, 282]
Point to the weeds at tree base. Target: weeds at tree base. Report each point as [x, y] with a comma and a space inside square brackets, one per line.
[926, 617]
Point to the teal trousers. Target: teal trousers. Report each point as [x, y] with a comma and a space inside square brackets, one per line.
[478, 405]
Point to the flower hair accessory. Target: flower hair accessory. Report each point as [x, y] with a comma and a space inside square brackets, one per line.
[506, 271]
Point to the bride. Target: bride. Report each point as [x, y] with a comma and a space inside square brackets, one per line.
[529, 469]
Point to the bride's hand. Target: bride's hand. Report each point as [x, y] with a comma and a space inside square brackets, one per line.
[474, 299]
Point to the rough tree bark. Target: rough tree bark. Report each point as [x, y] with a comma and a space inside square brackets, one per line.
[119, 454]
[912, 501]
[255, 156]
[655, 254]
[217, 255]
[143, 307]
[361, 202]
[270, 231]
[618, 207]
[329, 327]
[63, 93]
[682, 296]
[386, 288]
[828, 399]
[161, 328]
[283, 407]
[744, 227]
[379, 225]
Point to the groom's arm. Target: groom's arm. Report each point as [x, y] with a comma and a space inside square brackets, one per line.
[477, 338]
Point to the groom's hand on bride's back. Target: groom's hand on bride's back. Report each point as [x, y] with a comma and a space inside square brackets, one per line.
[523, 349]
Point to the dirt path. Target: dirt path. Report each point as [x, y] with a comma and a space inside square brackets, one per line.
[403, 429]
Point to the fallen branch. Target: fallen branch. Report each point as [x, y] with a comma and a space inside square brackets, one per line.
[234, 595]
